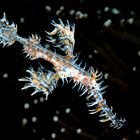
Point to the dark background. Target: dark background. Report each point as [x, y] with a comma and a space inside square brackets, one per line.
[112, 48]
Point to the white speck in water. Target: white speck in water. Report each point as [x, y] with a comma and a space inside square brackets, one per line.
[138, 53]
[57, 112]
[132, 12]
[61, 8]
[99, 12]
[106, 9]
[58, 12]
[79, 130]
[5, 75]
[67, 110]
[34, 130]
[48, 8]
[134, 68]
[22, 20]
[107, 23]
[34, 119]
[26, 106]
[85, 15]
[137, 132]
[53, 135]
[43, 139]
[90, 56]
[24, 121]
[62, 130]
[95, 51]
[115, 11]
[35, 101]
[106, 75]
[55, 118]
[130, 20]
[122, 21]
[71, 12]
[41, 99]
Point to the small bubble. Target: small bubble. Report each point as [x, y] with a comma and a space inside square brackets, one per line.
[26, 106]
[79, 130]
[67, 110]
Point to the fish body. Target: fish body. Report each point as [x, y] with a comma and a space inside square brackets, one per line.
[89, 81]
